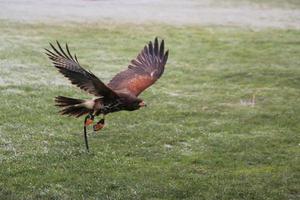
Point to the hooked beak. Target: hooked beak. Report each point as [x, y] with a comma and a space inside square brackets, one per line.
[142, 104]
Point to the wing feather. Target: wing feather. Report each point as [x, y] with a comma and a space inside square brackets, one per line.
[143, 71]
[70, 68]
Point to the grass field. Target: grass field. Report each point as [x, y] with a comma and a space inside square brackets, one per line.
[222, 123]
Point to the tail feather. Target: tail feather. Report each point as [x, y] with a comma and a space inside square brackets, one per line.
[66, 101]
[71, 107]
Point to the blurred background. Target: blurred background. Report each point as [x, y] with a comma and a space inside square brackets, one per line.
[253, 13]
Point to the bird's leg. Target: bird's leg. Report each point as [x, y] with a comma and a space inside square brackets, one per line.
[87, 121]
[99, 124]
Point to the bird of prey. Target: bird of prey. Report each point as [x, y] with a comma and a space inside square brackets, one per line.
[121, 93]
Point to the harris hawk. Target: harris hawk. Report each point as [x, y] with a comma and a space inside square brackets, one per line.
[122, 91]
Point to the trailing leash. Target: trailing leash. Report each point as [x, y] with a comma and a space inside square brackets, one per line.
[85, 134]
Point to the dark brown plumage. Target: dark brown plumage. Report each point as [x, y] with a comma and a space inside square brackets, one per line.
[121, 93]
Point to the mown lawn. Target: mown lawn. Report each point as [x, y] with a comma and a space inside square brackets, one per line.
[222, 123]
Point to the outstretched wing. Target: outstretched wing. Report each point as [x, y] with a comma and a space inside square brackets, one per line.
[71, 69]
[142, 71]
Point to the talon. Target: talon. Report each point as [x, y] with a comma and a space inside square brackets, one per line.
[88, 122]
[99, 125]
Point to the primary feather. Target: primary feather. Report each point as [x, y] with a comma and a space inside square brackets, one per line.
[78, 76]
[143, 71]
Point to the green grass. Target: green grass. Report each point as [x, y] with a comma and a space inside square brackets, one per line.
[199, 138]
